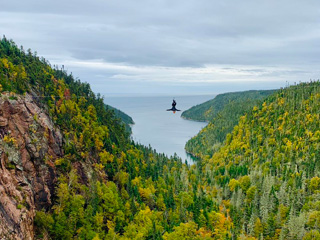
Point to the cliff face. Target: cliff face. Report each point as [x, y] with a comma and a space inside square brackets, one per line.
[29, 144]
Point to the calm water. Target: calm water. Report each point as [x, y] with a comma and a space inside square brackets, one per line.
[164, 131]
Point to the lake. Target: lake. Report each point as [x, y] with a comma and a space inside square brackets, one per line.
[163, 130]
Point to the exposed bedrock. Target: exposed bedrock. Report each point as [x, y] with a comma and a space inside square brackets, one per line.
[29, 145]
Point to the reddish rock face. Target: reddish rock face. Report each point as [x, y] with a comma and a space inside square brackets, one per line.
[29, 144]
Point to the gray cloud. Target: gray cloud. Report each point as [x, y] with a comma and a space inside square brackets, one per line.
[279, 38]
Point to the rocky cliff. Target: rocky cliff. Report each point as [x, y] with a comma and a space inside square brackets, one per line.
[29, 145]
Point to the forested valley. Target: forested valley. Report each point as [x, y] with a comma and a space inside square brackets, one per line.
[261, 182]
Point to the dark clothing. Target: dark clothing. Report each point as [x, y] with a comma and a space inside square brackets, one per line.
[173, 107]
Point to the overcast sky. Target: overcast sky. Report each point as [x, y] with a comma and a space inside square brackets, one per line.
[129, 47]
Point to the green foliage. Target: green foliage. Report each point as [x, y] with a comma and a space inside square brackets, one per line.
[312, 235]
[223, 113]
[209, 110]
[184, 231]
[124, 117]
[127, 191]
[43, 223]
[262, 182]
[268, 166]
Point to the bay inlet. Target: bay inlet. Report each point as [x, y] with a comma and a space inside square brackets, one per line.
[164, 131]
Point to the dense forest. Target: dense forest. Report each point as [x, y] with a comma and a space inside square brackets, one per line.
[268, 168]
[210, 109]
[127, 120]
[128, 191]
[223, 113]
[262, 183]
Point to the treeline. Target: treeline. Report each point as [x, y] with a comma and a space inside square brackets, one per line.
[210, 109]
[127, 191]
[263, 182]
[223, 113]
[268, 169]
[23, 71]
[123, 116]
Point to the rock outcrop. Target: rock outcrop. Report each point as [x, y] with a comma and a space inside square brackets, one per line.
[29, 145]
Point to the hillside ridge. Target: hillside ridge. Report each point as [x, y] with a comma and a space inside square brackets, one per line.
[222, 113]
[93, 182]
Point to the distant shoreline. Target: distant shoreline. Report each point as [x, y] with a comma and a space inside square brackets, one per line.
[190, 119]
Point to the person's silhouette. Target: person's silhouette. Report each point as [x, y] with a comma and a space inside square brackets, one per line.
[173, 109]
[174, 103]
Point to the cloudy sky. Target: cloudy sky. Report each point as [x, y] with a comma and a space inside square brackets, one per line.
[154, 47]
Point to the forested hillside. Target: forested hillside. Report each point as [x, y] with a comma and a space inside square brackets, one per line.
[223, 113]
[208, 110]
[105, 187]
[123, 116]
[268, 169]
[263, 183]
